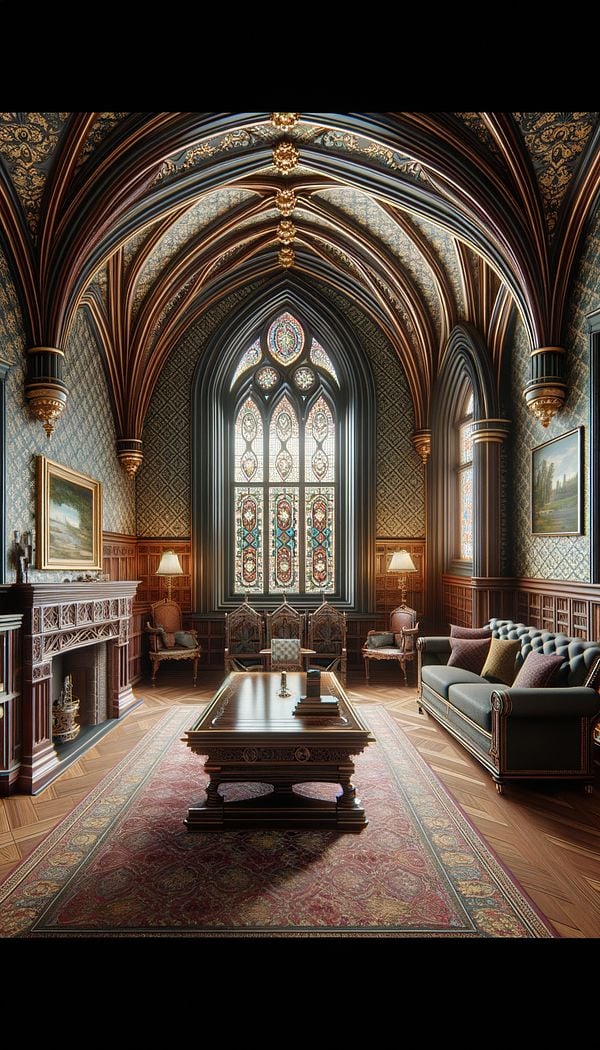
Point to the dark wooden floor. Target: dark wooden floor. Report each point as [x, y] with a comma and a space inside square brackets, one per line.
[547, 835]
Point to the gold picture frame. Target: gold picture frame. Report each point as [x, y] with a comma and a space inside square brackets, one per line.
[69, 518]
[556, 485]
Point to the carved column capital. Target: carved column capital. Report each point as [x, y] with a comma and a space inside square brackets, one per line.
[130, 454]
[546, 392]
[45, 389]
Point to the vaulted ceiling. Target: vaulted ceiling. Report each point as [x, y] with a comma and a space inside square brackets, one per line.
[425, 219]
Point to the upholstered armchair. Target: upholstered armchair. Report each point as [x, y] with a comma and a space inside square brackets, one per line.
[244, 639]
[167, 639]
[399, 643]
[327, 636]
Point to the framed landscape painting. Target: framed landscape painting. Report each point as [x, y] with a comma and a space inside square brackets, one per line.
[556, 479]
[69, 518]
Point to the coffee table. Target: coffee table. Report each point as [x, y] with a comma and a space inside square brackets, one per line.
[250, 735]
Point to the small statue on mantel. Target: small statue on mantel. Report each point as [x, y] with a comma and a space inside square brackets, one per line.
[22, 555]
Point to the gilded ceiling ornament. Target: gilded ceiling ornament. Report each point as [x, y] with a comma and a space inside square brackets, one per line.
[284, 121]
[285, 157]
[286, 257]
[286, 231]
[285, 201]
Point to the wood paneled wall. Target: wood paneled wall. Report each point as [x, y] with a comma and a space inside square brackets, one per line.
[550, 605]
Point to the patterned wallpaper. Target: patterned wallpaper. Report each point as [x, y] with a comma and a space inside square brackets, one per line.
[84, 437]
[164, 484]
[400, 474]
[555, 557]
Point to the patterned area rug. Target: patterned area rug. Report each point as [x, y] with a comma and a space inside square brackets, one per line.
[123, 864]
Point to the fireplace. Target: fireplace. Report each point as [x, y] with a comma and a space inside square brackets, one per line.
[79, 630]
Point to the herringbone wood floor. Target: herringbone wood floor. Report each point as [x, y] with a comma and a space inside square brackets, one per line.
[547, 835]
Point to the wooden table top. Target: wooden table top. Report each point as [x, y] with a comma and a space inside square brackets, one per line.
[248, 705]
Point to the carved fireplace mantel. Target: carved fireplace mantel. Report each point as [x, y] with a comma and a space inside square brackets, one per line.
[57, 618]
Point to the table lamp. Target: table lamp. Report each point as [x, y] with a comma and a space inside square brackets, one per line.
[403, 563]
[169, 567]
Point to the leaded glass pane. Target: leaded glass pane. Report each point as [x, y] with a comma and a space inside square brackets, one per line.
[248, 551]
[321, 358]
[465, 481]
[319, 539]
[248, 448]
[466, 443]
[249, 359]
[284, 450]
[319, 443]
[304, 378]
[267, 378]
[286, 339]
[283, 559]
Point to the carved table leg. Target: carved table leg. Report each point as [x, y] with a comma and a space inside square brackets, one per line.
[366, 669]
[213, 798]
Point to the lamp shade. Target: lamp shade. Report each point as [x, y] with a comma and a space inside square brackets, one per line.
[169, 565]
[401, 562]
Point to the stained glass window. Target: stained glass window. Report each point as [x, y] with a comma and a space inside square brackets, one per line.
[320, 357]
[284, 478]
[465, 481]
[286, 339]
[249, 359]
[249, 443]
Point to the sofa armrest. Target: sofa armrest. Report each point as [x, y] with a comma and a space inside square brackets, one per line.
[578, 702]
[434, 645]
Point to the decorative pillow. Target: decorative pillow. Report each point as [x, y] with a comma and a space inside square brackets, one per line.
[470, 632]
[163, 635]
[187, 640]
[285, 651]
[379, 641]
[538, 670]
[500, 663]
[468, 653]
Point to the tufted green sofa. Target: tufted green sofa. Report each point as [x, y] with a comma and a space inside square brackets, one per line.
[518, 734]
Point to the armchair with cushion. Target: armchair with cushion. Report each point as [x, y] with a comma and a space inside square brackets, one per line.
[399, 643]
[167, 639]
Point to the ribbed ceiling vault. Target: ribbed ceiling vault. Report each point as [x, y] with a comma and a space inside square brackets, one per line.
[424, 219]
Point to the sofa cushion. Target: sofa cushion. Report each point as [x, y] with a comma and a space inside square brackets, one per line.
[475, 701]
[183, 638]
[440, 677]
[470, 632]
[377, 641]
[538, 670]
[468, 653]
[500, 663]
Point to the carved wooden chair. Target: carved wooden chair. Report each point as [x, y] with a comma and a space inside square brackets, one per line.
[285, 622]
[399, 643]
[244, 638]
[327, 636]
[167, 639]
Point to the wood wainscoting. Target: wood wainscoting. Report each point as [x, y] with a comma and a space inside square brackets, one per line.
[550, 605]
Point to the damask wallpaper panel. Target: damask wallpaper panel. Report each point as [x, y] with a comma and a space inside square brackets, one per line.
[85, 434]
[555, 557]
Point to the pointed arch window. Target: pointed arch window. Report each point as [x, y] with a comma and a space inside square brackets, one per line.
[464, 479]
[284, 452]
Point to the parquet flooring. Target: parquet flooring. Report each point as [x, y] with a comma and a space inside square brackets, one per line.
[546, 835]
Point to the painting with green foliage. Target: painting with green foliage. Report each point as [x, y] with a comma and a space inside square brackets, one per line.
[556, 486]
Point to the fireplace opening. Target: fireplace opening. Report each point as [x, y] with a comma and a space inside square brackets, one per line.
[80, 684]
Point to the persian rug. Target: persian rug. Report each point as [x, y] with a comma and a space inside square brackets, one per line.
[123, 864]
